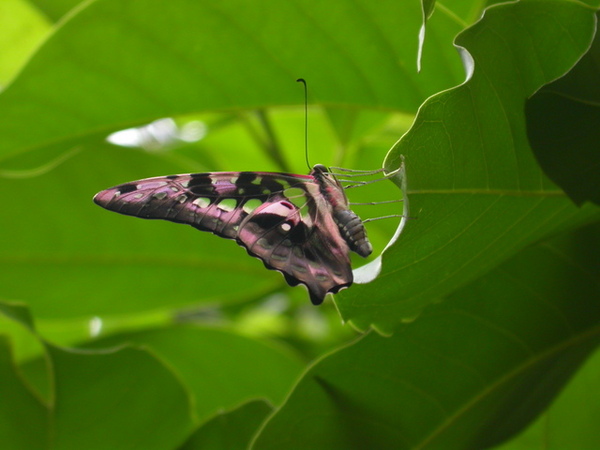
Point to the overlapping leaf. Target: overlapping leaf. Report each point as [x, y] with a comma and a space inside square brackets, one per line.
[476, 192]
[111, 65]
[469, 373]
[114, 391]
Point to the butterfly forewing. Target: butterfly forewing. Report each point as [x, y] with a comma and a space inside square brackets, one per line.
[288, 221]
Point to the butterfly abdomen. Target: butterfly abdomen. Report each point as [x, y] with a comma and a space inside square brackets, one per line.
[353, 232]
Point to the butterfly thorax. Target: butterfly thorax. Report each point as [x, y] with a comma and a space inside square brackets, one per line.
[350, 225]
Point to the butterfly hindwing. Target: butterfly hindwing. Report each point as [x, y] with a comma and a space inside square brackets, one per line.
[290, 222]
[302, 242]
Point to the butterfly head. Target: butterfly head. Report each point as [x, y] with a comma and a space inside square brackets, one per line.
[324, 175]
[320, 168]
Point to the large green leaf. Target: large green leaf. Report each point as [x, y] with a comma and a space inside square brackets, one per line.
[55, 9]
[231, 430]
[113, 64]
[98, 399]
[20, 410]
[80, 255]
[117, 63]
[219, 369]
[21, 30]
[476, 191]
[92, 389]
[469, 373]
[559, 427]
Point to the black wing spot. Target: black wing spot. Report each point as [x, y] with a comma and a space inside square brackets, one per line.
[250, 189]
[201, 184]
[245, 182]
[271, 185]
[261, 190]
[298, 234]
[127, 188]
[310, 255]
[202, 191]
[267, 221]
[245, 178]
[200, 179]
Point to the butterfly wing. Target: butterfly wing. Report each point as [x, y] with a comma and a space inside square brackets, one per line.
[282, 219]
[298, 236]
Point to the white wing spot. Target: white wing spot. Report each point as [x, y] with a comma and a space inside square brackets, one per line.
[201, 202]
[159, 195]
[181, 198]
[286, 226]
[233, 180]
[174, 189]
[138, 195]
[185, 183]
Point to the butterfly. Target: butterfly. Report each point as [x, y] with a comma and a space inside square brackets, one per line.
[300, 225]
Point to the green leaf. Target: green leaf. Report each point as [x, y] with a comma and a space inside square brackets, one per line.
[218, 368]
[114, 398]
[230, 430]
[21, 31]
[80, 246]
[87, 392]
[20, 411]
[476, 192]
[472, 371]
[101, 71]
[104, 69]
[19, 313]
[562, 125]
[56, 9]
[570, 422]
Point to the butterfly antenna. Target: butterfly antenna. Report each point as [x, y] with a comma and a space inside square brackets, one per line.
[303, 81]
